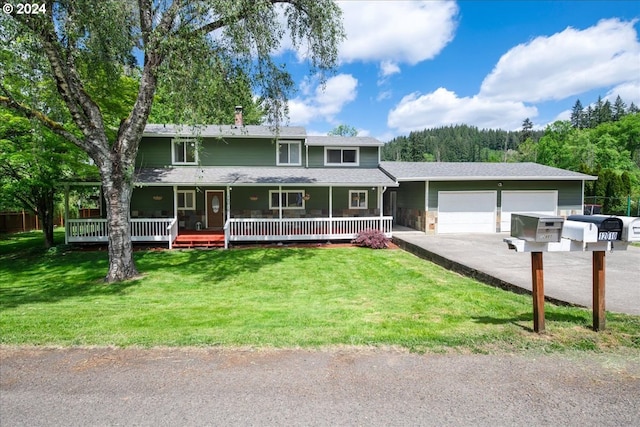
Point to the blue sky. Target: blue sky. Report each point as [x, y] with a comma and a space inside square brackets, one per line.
[411, 65]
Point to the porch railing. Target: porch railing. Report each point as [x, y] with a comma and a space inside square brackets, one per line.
[142, 230]
[274, 229]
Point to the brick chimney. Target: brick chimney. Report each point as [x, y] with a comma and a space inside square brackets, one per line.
[239, 121]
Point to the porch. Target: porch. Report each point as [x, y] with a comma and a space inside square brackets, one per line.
[151, 230]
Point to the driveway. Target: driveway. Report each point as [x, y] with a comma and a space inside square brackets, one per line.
[567, 275]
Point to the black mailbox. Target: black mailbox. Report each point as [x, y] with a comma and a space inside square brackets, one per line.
[609, 227]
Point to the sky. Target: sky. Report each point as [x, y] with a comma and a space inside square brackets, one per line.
[413, 65]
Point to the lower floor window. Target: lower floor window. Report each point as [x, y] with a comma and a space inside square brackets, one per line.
[187, 199]
[288, 199]
[358, 199]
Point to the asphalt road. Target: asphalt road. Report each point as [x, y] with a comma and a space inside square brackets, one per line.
[346, 386]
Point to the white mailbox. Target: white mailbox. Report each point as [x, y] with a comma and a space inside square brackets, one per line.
[630, 228]
[580, 231]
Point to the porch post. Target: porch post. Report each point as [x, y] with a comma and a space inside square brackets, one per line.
[280, 209]
[380, 207]
[228, 203]
[175, 203]
[66, 214]
[330, 210]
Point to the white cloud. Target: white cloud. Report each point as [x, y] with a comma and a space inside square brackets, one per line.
[396, 31]
[567, 63]
[388, 68]
[323, 102]
[629, 92]
[443, 107]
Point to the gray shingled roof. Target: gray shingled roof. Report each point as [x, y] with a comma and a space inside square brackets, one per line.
[214, 131]
[343, 141]
[208, 175]
[444, 171]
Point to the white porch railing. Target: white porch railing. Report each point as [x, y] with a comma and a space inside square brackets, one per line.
[275, 229]
[142, 230]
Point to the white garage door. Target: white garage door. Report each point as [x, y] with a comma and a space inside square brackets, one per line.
[541, 202]
[467, 211]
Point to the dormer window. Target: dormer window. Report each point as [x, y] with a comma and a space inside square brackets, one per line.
[289, 153]
[341, 156]
[184, 151]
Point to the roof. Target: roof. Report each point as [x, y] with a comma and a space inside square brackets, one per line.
[216, 131]
[197, 175]
[449, 171]
[343, 141]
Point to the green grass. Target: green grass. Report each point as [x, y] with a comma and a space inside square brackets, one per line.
[276, 297]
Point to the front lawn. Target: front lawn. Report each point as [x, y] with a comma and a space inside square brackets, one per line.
[276, 297]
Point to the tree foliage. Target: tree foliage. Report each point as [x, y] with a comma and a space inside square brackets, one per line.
[343, 130]
[82, 43]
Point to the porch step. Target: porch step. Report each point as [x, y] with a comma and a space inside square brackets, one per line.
[201, 240]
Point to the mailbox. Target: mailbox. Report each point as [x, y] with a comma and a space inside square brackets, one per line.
[607, 228]
[536, 227]
[630, 228]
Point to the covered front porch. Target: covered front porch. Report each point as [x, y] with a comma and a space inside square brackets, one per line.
[227, 207]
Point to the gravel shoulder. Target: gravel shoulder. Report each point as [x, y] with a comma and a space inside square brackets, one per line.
[335, 386]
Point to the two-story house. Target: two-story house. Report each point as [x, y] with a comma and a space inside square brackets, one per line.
[211, 185]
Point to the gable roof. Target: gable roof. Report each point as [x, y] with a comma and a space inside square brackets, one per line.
[227, 131]
[250, 175]
[343, 141]
[450, 171]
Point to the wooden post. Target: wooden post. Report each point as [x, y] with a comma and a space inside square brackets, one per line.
[537, 275]
[598, 290]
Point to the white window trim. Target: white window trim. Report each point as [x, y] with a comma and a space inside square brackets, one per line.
[298, 163]
[173, 151]
[326, 160]
[193, 198]
[366, 199]
[284, 208]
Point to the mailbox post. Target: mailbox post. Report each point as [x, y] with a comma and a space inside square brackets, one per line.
[537, 231]
[608, 229]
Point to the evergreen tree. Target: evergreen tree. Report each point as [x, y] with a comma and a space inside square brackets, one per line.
[577, 115]
[619, 109]
[525, 134]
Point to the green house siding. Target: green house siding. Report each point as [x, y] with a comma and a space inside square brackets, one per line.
[156, 152]
[368, 157]
[149, 202]
[410, 205]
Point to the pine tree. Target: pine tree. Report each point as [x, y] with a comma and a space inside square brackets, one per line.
[577, 115]
[619, 109]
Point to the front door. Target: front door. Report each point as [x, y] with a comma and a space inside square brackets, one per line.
[215, 209]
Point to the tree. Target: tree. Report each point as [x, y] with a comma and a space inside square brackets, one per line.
[32, 161]
[343, 130]
[577, 115]
[525, 134]
[83, 38]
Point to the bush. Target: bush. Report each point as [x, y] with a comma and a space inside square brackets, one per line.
[371, 238]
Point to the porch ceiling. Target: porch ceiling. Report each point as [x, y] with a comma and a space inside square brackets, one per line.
[263, 176]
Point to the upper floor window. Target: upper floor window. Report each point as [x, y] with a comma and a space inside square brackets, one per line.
[289, 153]
[341, 156]
[184, 151]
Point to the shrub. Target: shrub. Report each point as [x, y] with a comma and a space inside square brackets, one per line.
[371, 238]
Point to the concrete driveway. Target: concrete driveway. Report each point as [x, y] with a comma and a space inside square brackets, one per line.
[567, 275]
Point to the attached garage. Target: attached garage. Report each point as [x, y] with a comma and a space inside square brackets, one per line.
[541, 202]
[440, 197]
[467, 212]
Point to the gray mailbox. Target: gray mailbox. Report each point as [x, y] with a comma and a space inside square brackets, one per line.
[609, 227]
[534, 227]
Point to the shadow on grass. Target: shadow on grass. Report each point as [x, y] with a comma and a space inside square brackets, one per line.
[217, 265]
[37, 276]
[528, 317]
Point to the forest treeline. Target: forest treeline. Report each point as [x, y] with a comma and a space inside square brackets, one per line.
[601, 140]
